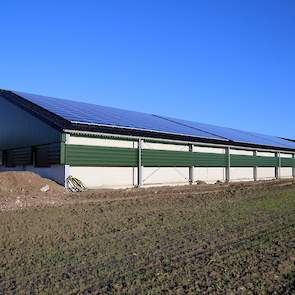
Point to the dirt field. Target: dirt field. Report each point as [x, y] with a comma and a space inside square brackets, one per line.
[203, 239]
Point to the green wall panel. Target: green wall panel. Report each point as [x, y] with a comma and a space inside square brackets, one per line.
[252, 161]
[47, 155]
[266, 161]
[79, 155]
[21, 156]
[161, 158]
[243, 161]
[210, 160]
[287, 162]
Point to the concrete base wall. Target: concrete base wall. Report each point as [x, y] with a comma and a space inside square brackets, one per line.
[286, 172]
[165, 175]
[264, 173]
[123, 177]
[209, 174]
[242, 174]
[105, 177]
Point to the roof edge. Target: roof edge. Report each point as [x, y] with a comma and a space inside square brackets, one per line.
[62, 124]
[42, 114]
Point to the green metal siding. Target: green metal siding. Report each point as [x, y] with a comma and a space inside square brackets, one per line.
[161, 158]
[252, 161]
[266, 161]
[79, 155]
[210, 160]
[62, 153]
[17, 157]
[287, 162]
[47, 155]
[243, 161]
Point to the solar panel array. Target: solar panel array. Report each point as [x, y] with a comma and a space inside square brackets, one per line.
[85, 113]
[238, 135]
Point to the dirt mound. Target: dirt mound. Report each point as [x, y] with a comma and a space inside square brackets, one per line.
[27, 183]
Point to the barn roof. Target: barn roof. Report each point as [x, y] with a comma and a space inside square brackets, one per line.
[73, 115]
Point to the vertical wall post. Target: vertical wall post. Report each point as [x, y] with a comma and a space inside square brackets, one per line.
[66, 175]
[293, 169]
[191, 168]
[227, 169]
[278, 167]
[255, 168]
[65, 138]
[140, 167]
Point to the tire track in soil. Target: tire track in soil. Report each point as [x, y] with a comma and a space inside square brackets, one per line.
[122, 232]
[110, 196]
[202, 256]
[125, 232]
[168, 196]
[231, 189]
[268, 226]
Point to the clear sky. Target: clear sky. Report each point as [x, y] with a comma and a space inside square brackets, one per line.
[226, 62]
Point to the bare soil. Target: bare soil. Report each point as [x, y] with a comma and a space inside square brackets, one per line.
[19, 190]
[202, 239]
[23, 189]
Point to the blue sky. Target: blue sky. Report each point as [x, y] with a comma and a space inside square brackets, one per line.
[230, 63]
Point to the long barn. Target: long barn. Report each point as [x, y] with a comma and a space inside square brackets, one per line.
[109, 147]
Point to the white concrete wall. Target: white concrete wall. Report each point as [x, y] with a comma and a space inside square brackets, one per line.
[164, 146]
[286, 155]
[209, 174]
[266, 154]
[242, 173]
[105, 177]
[201, 149]
[241, 152]
[286, 172]
[55, 172]
[165, 175]
[264, 173]
[101, 142]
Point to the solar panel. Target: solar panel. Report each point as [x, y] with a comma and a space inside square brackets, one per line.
[278, 140]
[85, 113]
[236, 135]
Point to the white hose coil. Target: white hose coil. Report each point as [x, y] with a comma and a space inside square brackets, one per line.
[75, 185]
